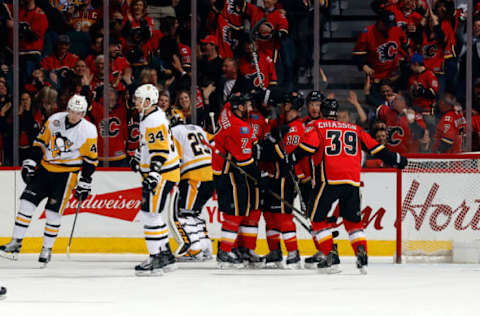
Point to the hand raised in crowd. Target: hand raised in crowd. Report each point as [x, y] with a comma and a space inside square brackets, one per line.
[207, 91]
[5, 108]
[177, 64]
[353, 98]
[369, 71]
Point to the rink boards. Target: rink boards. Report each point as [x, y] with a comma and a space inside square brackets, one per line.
[109, 221]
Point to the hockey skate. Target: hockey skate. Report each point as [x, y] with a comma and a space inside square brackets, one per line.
[312, 262]
[3, 292]
[45, 256]
[153, 266]
[326, 266]
[191, 256]
[226, 260]
[252, 260]
[293, 260]
[274, 259]
[170, 259]
[11, 250]
[362, 259]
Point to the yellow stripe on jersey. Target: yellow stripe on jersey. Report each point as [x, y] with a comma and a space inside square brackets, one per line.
[89, 151]
[179, 147]
[71, 183]
[52, 167]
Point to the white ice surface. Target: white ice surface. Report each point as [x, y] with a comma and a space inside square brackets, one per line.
[89, 285]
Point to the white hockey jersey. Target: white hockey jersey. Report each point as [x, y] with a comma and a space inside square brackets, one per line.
[196, 157]
[156, 140]
[64, 149]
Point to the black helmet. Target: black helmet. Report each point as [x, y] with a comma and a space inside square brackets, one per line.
[329, 108]
[315, 95]
[236, 100]
[295, 98]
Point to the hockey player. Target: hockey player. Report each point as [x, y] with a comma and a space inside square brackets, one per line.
[66, 145]
[288, 134]
[234, 142]
[158, 162]
[336, 176]
[196, 186]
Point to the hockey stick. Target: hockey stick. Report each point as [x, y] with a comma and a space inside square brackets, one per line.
[179, 233]
[297, 213]
[212, 120]
[73, 227]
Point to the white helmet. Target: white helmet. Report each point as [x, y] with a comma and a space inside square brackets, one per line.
[147, 91]
[77, 103]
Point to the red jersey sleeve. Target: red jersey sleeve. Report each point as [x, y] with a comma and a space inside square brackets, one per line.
[368, 142]
[361, 45]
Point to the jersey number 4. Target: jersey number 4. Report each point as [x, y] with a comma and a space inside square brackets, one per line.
[347, 143]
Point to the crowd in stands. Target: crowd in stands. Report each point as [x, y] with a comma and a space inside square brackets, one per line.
[413, 57]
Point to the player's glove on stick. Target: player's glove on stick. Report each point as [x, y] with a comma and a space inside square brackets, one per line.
[401, 162]
[83, 188]
[135, 162]
[151, 181]
[28, 170]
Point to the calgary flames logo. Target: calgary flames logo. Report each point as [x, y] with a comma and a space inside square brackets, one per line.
[60, 144]
[430, 51]
[394, 135]
[387, 51]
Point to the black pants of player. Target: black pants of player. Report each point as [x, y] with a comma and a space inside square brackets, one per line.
[235, 193]
[56, 186]
[323, 197]
[284, 187]
[194, 194]
[154, 202]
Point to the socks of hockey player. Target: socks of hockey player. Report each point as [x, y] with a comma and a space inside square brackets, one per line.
[230, 227]
[324, 237]
[249, 229]
[288, 229]
[356, 234]
[273, 232]
[156, 232]
[23, 219]
[52, 226]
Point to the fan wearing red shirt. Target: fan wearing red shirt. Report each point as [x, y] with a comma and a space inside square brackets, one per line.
[378, 49]
[114, 127]
[450, 128]
[234, 190]
[246, 66]
[61, 61]
[337, 164]
[423, 86]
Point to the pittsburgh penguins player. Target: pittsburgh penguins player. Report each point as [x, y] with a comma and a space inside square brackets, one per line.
[158, 162]
[196, 187]
[66, 145]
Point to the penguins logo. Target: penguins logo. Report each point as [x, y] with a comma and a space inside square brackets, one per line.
[387, 51]
[61, 145]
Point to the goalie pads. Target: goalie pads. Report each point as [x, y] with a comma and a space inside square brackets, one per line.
[176, 227]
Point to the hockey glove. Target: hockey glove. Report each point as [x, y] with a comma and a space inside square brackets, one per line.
[135, 162]
[28, 170]
[151, 181]
[83, 188]
[401, 162]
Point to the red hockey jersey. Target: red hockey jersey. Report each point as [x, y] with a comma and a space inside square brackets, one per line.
[450, 130]
[427, 80]
[267, 70]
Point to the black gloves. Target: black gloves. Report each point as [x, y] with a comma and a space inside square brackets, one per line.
[28, 170]
[151, 181]
[83, 188]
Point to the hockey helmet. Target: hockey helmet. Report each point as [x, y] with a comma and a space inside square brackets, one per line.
[77, 103]
[329, 108]
[238, 99]
[315, 95]
[295, 98]
[144, 92]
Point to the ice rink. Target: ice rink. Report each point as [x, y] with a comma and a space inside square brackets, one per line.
[86, 285]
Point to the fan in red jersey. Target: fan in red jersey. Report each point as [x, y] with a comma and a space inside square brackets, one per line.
[450, 128]
[337, 163]
[234, 141]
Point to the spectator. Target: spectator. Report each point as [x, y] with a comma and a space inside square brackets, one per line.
[403, 132]
[353, 99]
[81, 17]
[61, 62]
[406, 15]
[96, 49]
[210, 64]
[461, 87]
[380, 136]
[27, 133]
[422, 86]
[450, 128]
[164, 101]
[114, 127]
[476, 117]
[37, 82]
[246, 64]
[377, 51]
[32, 26]
[6, 124]
[137, 30]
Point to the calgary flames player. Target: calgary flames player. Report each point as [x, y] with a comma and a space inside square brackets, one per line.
[66, 145]
[336, 176]
[233, 141]
[158, 162]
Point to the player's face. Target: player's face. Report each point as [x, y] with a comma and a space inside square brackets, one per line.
[74, 117]
[314, 109]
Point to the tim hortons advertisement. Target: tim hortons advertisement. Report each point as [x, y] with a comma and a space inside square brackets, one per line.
[430, 205]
